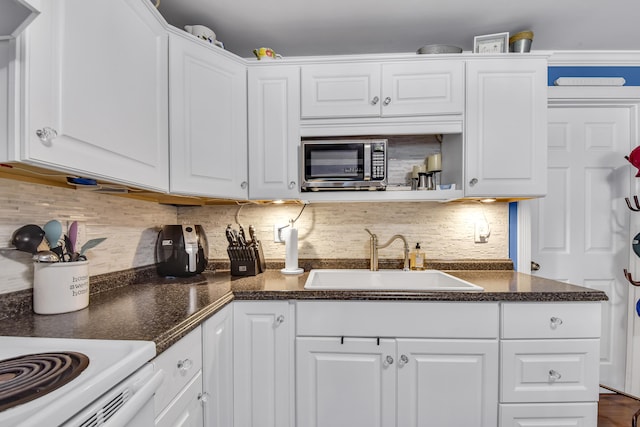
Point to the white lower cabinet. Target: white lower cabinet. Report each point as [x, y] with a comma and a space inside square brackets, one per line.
[217, 368]
[348, 382]
[366, 382]
[447, 382]
[177, 401]
[263, 354]
[550, 364]
[549, 415]
[447, 376]
[186, 409]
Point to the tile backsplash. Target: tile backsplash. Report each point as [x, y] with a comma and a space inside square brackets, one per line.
[336, 230]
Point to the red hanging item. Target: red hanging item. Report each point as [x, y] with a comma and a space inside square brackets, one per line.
[634, 159]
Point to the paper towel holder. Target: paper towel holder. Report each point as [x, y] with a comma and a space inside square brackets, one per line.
[291, 251]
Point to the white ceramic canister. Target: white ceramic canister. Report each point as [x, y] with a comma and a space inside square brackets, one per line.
[60, 287]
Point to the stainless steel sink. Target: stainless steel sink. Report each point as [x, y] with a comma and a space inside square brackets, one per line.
[387, 280]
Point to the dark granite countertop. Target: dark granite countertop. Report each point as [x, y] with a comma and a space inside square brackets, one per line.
[163, 310]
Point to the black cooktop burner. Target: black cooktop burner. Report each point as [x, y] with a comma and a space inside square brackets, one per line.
[25, 378]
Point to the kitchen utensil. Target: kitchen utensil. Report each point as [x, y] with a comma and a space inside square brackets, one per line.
[29, 238]
[266, 53]
[204, 33]
[252, 234]
[53, 232]
[439, 48]
[46, 256]
[91, 244]
[73, 236]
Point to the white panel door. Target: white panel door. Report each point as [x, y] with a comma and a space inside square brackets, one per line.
[422, 88]
[208, 113]
[580, 231]
[217, 368]
[506, 128]
[345, 382]
[96, 74]
[262, 363]
[340, 90]
[274, 138]
[447, 383]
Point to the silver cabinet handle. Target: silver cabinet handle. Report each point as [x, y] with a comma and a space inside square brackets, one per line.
[375, 100]
[244, 185]
[387, 101]
[473, 181]
[291, 185]
[388, 361]
[203, 397]
[535, 266]
[185, 365]
[403, 360]
[554, 376]
[46, 134]
[555, 322]
[279, 320]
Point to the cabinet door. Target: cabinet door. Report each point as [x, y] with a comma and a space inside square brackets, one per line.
[447, 382]
[422, 88]
[186, 409]
[348, 382]
[506, 128]
[340, 90]
[262, 369]
[208, 121]
[96, 98]
[274, 137]
[217, 367]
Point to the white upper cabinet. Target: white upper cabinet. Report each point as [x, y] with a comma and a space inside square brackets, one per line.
[16, 15]
[274, 137]
[95, 92]
[506, 127]
[208, 120]
[371, 89]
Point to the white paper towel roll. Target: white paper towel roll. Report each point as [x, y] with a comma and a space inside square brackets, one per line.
[291, 252]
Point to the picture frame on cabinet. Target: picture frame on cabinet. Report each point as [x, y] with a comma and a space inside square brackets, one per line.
[491, 43]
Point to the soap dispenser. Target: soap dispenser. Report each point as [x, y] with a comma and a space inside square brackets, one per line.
[416, 258]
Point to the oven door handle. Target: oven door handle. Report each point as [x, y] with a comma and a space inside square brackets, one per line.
[131, 408]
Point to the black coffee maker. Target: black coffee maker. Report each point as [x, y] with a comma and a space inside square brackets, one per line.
[181, 250]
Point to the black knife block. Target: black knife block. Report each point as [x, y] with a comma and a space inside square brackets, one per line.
[244, 267]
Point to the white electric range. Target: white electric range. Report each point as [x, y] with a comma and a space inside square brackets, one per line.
[115, 385]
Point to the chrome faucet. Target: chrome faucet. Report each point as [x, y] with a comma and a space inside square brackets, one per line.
[374, 246]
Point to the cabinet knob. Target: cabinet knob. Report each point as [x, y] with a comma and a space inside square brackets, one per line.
[279, 320]
[387, 101]
[375, 100]
[403, 360]
[473, 181]
[555, 322]
[292, 184]
[203, 397]
[244, 185]
[46, 134]
[554, 376]
[185, 365]
[388, 361]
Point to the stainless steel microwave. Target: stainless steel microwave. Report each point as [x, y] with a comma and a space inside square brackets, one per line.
[352, 164]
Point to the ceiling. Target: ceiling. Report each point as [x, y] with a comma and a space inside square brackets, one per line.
[333, 27]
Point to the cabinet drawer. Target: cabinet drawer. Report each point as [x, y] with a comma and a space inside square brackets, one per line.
[186, 409]
[549, 415]
[180, 363]
[551, 320]
[397, 319]
[550, 370]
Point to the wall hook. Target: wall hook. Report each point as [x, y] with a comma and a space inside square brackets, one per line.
[630, 279]
[637, 204]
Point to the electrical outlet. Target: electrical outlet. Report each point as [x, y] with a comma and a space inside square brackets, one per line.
[482, 232]
[278, 235]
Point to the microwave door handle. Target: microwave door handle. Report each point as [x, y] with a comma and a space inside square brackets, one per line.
[366, 160]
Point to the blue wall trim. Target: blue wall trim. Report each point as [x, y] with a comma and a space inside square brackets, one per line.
[513, 233]
[630, 74]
